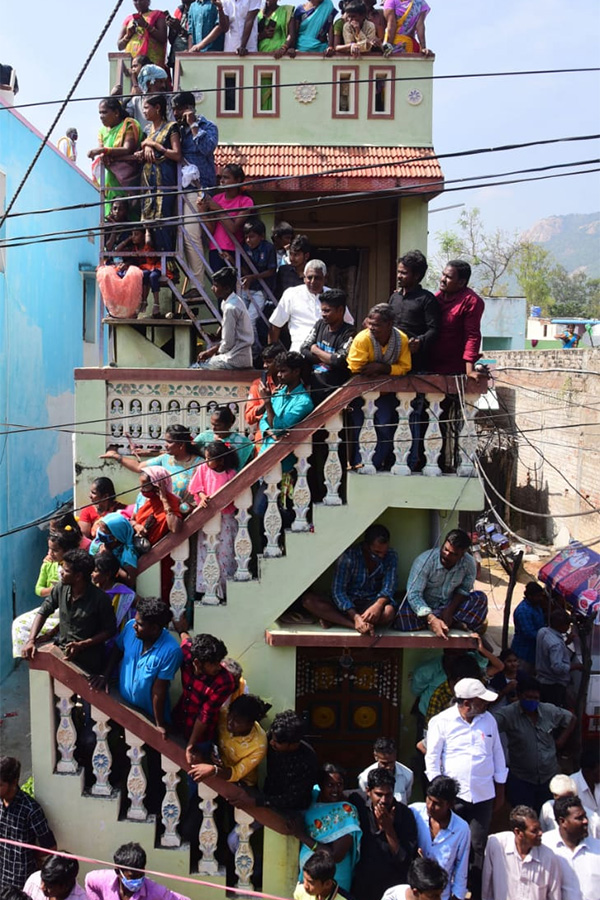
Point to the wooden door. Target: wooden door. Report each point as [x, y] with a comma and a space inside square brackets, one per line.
[349, 698]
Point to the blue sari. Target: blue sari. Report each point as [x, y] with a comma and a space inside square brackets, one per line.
[313, 27]
[325, 823]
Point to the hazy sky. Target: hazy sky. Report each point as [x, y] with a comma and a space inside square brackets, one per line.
[49, 46]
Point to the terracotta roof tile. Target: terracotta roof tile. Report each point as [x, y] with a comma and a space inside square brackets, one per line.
[307, 168]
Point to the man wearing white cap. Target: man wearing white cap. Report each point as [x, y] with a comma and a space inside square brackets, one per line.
[463, 743]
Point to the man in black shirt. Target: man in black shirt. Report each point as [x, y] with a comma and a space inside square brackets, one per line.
[292, 766]
[292, 275]
[416, 310]
[389, 837]
[327, 346]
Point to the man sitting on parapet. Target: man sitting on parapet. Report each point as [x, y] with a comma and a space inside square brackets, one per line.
[440, 591]
[364, 586]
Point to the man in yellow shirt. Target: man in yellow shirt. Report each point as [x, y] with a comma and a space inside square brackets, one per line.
[379, 349]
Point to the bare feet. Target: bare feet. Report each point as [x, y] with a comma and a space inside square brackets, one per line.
[324, 623]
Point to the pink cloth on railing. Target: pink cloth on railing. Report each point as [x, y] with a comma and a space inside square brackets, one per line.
[121, 294]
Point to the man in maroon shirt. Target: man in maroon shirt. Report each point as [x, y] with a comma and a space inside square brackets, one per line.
[456, 350]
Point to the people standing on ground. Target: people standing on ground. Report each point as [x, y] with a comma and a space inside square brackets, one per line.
[385, 755]
[587, 779]
[425, 879]
[127, 878]
[517, 866]
[529, 616]
[578, 854]
[553, 661]
[56, 880]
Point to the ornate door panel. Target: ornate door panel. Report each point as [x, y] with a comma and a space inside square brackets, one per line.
[349, 699]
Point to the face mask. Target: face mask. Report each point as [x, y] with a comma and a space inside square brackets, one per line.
[132, 884]
[103, 537]
[530, 705]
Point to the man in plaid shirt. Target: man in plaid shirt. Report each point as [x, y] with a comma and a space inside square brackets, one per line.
[206, 686]
[21, 819]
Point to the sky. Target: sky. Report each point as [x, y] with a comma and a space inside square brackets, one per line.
[467, 38]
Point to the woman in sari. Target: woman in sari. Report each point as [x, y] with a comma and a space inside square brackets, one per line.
[273, 28]
[332, 824]
[115, 533]
[160, 514]
[118, 140]
[160, 153]
[405, 21]
[310, 26]
[144, 33]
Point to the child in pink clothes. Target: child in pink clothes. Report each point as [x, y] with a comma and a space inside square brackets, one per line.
[220, 467]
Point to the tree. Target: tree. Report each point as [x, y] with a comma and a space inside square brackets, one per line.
[533, 270]
[573, 294]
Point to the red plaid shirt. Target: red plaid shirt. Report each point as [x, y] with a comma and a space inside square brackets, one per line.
[202, 697]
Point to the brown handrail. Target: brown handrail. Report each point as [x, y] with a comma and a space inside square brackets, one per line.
[302, 433]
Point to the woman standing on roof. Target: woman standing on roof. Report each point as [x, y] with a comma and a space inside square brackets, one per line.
[144, 33]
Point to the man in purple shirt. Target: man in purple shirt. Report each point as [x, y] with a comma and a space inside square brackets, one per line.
[456, 350]
[127, 879]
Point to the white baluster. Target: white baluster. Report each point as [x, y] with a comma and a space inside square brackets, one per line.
[272, 520]
[211, 570]
[467, 444]
[402, 436]
[101, 757]
[244, 857]
[207, 839]
[136, 779]
[433, 436]
[367, 440]
[243, 541]
[301, 489]
[66, 735]
[178, 594]
[170, 807]
[332, 470]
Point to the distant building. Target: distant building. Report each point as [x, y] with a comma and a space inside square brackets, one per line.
[503, 324]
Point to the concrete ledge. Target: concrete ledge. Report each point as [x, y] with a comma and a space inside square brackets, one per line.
[316, 636]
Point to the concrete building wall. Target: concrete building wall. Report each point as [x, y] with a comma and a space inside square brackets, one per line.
[503, 324]
[41, 325]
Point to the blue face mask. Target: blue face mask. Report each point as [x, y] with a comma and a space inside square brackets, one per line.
[530, 705]
[103, 537]
[132, 884]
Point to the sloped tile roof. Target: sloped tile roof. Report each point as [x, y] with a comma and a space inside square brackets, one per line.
[308, 168]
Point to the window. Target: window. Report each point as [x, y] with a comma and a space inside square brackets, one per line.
[382, 87]
[266, 91]
[345, 92]
[230, 97]
[89, 307]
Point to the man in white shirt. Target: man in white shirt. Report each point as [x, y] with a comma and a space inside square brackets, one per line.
[517, 866]
[463, 743]
[563, 786]
[444, 836]
[587, 779]
[553, 663]
[426, 879]
[242, 34]
[300, 307]
[57, 879]
[578, 854]
[384, 754]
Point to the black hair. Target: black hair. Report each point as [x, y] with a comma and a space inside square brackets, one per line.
[225, 276]
[249, 707]
[224, 415]
[81, 562]
[280, 229]
[335, 297]
[300, 244]
[463, 667]
[444, 788]
[562, 805]
[154, 611]
[532, 588]
[271, 351]
[320, 866]
[10, 769]
[416, 262]
[508, 651]
[255, 226]
[142, 60]
[528, 684]
[9, 892]
[355, 6]
[233, 666]
[425, 875]
[383, 310]
[181, 435]
[115, 105]
[157, 100]
[66, 540]
[184, 98]
[287, 727]
[376, 534]
[59, 870]
[590, 758]
[291, 359]
[103, 485]
[221, 450]
[519, 815]
[237, 171]
[385, 745]
[207, 648]
[380, 778]
[107, 564]
[462, 269]
[130, 856]
[458, 538]
[71, 131]
[329, 769]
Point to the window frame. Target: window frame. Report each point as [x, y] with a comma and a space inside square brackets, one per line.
[257, 112]
[374, 71]
[337, 72]
[222, 72]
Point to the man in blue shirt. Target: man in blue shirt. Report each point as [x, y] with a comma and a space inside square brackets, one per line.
[364, 586]
[207, 26]
[199, 139]
[444, 836]
[528, 618]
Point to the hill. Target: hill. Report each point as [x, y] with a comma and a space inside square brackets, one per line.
[573, 241]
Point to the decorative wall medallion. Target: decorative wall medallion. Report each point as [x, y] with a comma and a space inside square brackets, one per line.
[305, 92]
[200, 96]
[414, 97]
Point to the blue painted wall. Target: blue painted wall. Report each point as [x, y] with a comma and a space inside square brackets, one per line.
[41, 322]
